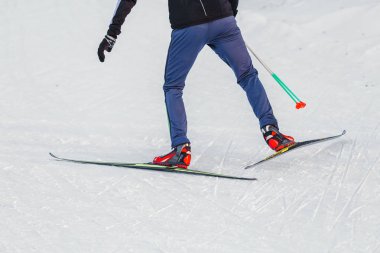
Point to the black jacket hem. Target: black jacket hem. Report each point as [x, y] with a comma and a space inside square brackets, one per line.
[200, 21]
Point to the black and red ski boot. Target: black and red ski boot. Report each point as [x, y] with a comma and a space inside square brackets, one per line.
[180, 157]
[275, 139]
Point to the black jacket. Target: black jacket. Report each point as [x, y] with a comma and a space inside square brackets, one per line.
[182, 13]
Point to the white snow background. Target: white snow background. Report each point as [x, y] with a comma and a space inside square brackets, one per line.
[57, 97]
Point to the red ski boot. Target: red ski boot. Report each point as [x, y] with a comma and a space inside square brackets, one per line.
[275, 139]
[180, 156]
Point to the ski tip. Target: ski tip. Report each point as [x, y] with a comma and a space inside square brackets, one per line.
[344, 132]
[52, 155]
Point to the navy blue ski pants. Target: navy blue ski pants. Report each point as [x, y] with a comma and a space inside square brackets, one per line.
[224, 37]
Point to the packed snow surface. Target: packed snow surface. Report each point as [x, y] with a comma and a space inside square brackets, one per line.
[57, 97]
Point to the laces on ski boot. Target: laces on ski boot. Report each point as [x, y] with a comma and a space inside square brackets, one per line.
[275, 139]
[180, 156]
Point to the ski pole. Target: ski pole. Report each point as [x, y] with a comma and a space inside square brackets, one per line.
[299, 103]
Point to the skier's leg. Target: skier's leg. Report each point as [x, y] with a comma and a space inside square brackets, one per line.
[184, 47]
[228, 43]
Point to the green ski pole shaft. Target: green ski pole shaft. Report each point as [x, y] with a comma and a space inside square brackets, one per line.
[299, 103]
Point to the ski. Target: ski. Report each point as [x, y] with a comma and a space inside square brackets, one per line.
[295, 146]
[154, 167]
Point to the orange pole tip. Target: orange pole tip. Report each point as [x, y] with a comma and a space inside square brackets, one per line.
[300, 105]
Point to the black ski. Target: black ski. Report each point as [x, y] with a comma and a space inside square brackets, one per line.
[154, 167]
[295, 146]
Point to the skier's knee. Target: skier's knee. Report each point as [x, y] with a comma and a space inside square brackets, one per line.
[244, 79]
[173, 86]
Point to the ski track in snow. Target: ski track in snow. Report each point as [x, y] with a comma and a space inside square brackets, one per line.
[56, 97]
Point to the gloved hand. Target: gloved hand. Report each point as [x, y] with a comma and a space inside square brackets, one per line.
[106, 45]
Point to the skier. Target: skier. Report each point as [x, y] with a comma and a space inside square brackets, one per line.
[197, 23]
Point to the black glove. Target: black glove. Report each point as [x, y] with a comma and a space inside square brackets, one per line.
[106, 44]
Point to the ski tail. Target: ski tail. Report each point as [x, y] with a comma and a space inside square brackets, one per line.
[154, 167]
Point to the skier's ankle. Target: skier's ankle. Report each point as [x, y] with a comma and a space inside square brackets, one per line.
[275, 139]
[180, 156]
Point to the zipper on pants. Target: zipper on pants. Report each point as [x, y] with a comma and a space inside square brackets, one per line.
[203, 7]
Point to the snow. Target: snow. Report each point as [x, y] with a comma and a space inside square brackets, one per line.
[56, 97]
